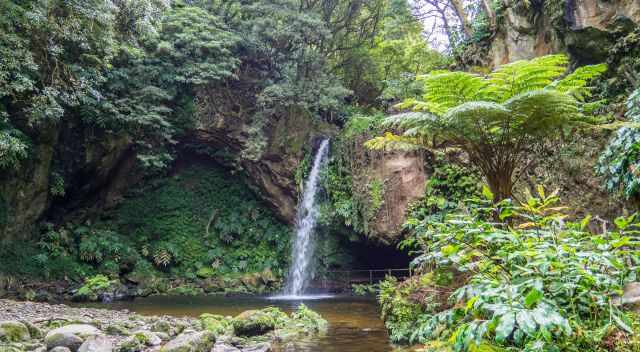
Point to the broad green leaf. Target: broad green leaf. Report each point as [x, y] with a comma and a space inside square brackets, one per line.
[533, 297]
[505, 327]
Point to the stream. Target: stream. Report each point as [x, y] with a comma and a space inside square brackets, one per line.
[354, 323]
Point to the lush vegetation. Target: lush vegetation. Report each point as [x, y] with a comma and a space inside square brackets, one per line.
[533, 281]
[196, 225]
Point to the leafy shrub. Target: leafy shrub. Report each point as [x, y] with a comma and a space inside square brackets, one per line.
[536, 282]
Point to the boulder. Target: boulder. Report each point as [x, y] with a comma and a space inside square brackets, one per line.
[217, 324]
[258, 322]
[202, 341]
[67, 340]
[71, 336]
[98, 343]
[60, 349]
[14, 331]
[35, 332]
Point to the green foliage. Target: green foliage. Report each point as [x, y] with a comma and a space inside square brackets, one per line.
[496, 119]
[398, 310]
[200, 223]
[93, 285]
[620, 161]
[13, 147]
[448, 186]
[535, 281]
[199, 218]
[308, 320]
[364, 289]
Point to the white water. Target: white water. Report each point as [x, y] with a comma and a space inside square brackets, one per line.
[304, 241]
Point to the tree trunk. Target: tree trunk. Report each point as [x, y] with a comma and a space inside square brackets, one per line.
[491, 15]
[500, 184]
[458, 6]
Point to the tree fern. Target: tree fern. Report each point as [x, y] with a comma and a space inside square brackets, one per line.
[496, 119]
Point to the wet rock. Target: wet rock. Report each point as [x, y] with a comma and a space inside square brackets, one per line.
[202, 341]
[14, 331]
[96, 344]
[258, 322]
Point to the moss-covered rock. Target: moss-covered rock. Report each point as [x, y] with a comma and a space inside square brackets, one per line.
[217, 324]
[202, 341]
[259, 322]
[307, 321]
[14, 331]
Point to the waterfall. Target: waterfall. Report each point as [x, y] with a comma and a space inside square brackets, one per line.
[306, 216]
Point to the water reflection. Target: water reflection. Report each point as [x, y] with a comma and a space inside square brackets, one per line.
[354, 324]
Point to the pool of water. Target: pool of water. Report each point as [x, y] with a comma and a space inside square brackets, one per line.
[354, 323]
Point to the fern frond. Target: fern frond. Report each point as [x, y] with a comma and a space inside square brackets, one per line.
[576, 82]
[409, 120]
[523, 76]
[444, 91]
[542, 112]
[470, 118]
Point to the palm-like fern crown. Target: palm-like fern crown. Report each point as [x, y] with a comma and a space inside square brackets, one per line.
[531, 98]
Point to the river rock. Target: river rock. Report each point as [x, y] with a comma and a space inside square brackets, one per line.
[261, 347]
[224, 347]
[149, 338]
[97, 343]
[63, 339]
[202, 341]
[34, 331]
[257, 322]
[60, 349]
[71, 336]
[14, 331]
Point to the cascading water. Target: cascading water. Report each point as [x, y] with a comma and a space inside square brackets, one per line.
[306, 216]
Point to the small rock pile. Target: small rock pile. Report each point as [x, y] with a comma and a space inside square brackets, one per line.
[40, 327]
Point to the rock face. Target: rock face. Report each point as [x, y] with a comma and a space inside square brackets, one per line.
[405, 179]
[586, 29]
[89, 165]
[269, 158]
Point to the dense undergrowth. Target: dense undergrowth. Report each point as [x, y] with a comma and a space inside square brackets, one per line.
[200, 223]
[517, 278]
